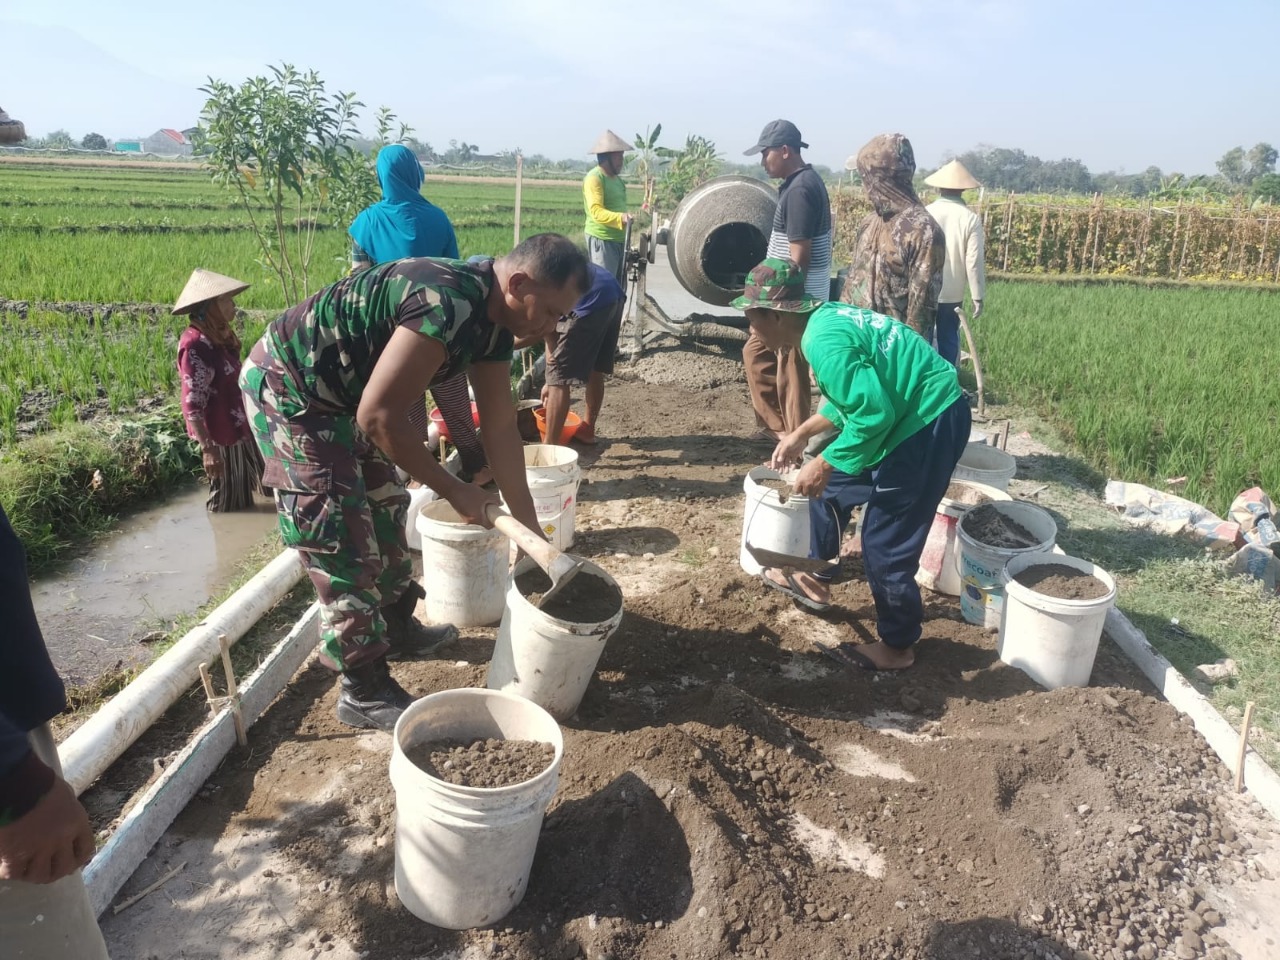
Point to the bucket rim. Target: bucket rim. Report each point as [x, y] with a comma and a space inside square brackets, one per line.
[1019, 564]
[569, 454]
[969, 540]
[985, 450]
[581, 629]
[756, 474]
[550, 772]
[993, 494]
[424, 522]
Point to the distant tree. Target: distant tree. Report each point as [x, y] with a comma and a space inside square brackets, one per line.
[1233, 167]
[460, 152]
[1267, 188]
[59, 140]
[1262, 160]
[649, 159]
[1061, 176]
[283, 143]
[94, 141]
[421, 149]
[693, 166]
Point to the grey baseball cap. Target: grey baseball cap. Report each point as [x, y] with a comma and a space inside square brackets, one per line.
[777, 133]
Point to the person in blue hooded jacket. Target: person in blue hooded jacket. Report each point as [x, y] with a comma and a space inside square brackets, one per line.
[402, 224]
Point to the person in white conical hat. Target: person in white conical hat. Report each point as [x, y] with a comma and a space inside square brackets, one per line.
[604, 200]
[962, 229]
[212, 404]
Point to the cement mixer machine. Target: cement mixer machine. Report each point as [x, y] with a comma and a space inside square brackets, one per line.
[11, 130]
[718, 233]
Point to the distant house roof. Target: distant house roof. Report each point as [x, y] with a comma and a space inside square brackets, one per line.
[174, 135]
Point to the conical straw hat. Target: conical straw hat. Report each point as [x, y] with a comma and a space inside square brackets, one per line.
[952, 176]
[206, 285]
[610, 142]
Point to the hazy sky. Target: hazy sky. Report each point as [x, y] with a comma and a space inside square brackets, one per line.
[1120, 84]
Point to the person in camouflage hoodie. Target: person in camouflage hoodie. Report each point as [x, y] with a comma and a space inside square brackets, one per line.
[899, 250]
[326, 390]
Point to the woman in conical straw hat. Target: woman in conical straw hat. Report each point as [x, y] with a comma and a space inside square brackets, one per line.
[212, 404]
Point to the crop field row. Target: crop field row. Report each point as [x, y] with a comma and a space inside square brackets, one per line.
[57, 367]
[1150, 384]
[120, 236]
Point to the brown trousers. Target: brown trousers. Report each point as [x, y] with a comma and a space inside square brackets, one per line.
[779, 385]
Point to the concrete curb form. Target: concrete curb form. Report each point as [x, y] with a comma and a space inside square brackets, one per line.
[100, 740]
[160, 805]
[1260, 780]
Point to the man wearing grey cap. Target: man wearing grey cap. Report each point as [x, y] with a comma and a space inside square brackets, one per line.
[779, 382]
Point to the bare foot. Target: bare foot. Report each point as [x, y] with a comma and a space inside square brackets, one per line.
[886, 657]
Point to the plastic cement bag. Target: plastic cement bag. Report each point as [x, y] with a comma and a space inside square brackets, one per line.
[1173, 515]
[1256, 514]
[1257, 562]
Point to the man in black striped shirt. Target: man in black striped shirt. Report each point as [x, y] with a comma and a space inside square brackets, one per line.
[779, 382]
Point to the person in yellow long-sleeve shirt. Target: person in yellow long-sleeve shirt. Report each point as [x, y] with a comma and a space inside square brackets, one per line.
[604, 200]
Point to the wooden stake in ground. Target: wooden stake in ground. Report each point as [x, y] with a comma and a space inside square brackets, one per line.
[1244, 746]
[233, 693]
[206, 681]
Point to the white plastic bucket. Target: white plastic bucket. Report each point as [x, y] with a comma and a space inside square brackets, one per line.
[985, 464]
[548, 660]
[463, 854]
[769, 523]
[982, 565]
[419, 497]
[553, 475]
[464, 568]
[939, 569]
[1052, 641]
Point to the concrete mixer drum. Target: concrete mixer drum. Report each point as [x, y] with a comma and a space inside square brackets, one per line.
[718, 233]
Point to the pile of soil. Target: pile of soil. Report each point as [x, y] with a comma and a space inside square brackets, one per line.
[988, 525]
[584, 599]
[482, 763]
[1063, 582]
[966, 495]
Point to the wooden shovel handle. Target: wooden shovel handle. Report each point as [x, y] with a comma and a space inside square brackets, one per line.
[542, 553]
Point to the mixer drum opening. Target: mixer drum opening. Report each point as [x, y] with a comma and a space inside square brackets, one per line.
[729, 254]
[718, 233]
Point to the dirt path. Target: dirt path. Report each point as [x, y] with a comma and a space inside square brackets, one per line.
[727, 790]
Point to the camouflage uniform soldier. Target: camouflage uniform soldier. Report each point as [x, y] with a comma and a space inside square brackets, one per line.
[899, 250]
[326, 390]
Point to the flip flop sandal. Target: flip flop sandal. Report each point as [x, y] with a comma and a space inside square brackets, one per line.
[794, 591]
[849, 655]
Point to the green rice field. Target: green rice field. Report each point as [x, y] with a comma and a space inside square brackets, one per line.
[1149, 384]
[134, 235]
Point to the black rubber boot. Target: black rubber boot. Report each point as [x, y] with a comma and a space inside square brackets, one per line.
[409, 638]
[370, 699]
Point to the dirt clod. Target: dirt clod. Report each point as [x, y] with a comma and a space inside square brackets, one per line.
[1063, 582]
[482, 763]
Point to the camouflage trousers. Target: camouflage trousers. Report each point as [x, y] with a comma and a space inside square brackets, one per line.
[340, 505]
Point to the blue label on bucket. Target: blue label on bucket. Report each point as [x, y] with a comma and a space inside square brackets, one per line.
[981, 594]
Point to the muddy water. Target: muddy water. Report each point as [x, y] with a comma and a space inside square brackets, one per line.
[156, 566]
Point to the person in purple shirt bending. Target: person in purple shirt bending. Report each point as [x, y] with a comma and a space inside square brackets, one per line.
[580, 352]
